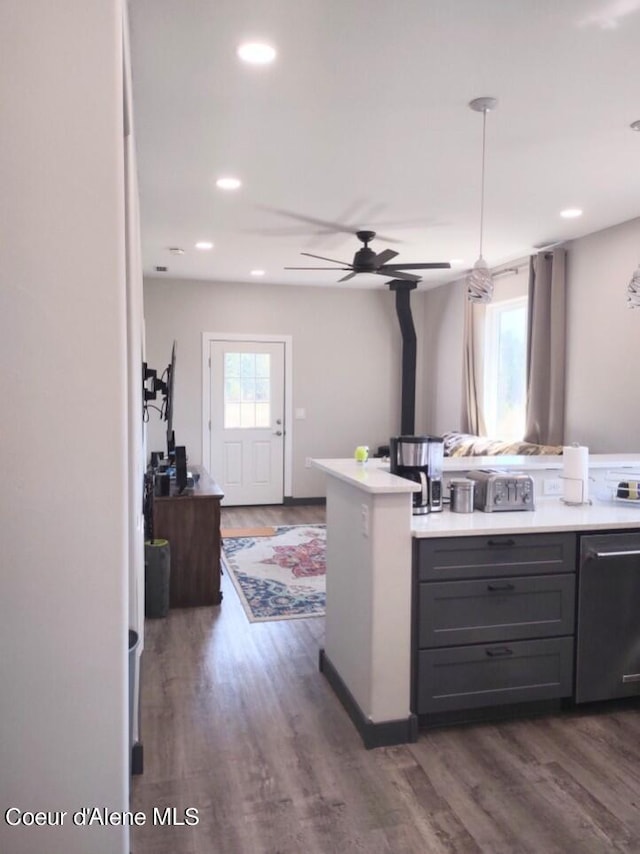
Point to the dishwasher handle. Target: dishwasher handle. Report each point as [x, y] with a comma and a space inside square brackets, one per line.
[623, 553]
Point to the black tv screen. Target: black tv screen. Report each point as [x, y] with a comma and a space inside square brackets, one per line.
[168, 402]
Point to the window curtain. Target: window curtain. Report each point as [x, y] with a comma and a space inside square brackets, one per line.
[473, 362]
[546, 348]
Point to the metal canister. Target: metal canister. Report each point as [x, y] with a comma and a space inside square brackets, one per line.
[461, 492]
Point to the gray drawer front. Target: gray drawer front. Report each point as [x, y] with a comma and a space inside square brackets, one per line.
[470, 677]
[452, 558]
[495, 609]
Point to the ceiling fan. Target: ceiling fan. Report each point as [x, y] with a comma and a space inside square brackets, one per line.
[367, 261]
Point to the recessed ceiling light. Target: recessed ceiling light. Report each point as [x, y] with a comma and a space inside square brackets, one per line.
[228, 183]
[257, 272]
[256, 53]
[571, 213]
[204, 244]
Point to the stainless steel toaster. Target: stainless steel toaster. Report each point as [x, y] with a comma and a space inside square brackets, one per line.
[502, 490]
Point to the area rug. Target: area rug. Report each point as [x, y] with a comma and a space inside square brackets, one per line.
[280, 577]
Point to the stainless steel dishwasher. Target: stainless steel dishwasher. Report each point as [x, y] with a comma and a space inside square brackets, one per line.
[608, 637]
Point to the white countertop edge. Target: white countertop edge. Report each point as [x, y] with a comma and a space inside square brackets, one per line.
[598, 516]
[369, 476]
[535, 462]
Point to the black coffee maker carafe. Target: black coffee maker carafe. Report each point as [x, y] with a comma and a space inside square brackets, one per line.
[419, 458]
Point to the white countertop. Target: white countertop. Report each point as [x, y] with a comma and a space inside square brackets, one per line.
[535, 462]
[372, 476]
[551, 514]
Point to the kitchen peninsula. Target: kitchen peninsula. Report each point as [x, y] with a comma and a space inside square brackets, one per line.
[377, 555]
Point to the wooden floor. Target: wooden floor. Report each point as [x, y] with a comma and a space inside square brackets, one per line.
[238, 723]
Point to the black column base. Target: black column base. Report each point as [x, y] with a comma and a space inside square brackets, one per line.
[373, 735]
[137, 762]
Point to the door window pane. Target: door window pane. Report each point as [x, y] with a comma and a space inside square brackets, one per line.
[263, 364]
[247, 390]
[247, 415]
[247, 364]
[232, 364]
[262, 390]
[232, 390]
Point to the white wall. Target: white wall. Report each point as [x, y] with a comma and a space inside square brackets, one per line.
[442, 357]
[602, 404]
[603, 400]
[63, 506]
[346, 360]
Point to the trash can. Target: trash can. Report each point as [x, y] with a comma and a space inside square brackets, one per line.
[157, 572]
[134, 643]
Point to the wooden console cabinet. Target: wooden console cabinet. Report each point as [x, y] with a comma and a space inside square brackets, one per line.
[191, 524]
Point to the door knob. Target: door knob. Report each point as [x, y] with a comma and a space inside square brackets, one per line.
[277, 433]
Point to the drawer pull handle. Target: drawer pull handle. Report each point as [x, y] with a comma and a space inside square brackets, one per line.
[631, 677]
[500, 651]
[501, 587]
[501, 543]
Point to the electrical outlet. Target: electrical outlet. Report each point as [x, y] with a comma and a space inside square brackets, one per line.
[552, 486]
[307, 462]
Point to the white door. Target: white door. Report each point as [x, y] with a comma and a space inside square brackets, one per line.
[247, 420]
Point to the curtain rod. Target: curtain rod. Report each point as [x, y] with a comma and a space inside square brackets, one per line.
[524, 262]
[514, 268]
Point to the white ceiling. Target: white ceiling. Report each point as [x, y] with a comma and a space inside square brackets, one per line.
[363, 120]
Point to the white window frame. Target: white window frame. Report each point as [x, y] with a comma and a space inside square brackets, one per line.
[494, 312]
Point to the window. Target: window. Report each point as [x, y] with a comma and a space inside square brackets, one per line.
[247, 390]
[505, 381]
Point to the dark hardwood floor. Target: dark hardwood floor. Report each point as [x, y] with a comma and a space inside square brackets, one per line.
[238, 723]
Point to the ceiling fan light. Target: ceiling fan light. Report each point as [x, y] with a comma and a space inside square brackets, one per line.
[480, 282]
[633, 290]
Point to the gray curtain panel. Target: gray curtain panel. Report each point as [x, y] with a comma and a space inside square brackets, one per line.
[473, 363]
[546, 348]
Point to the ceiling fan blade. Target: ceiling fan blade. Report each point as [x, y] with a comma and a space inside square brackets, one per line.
[322, 258]
[348, 276]
[325, 223]
[312, 220]
[384, 256]
[316, 268]
[434, 265]
[398, 274]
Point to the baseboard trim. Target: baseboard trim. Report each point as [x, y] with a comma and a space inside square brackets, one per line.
[373, 735]
[289, 501]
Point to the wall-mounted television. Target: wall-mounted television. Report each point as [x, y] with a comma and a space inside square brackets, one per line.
[167, 404]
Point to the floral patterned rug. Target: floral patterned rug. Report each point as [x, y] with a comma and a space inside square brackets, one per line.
[280, 577]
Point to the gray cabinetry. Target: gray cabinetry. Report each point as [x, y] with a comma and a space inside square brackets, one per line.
[494, 620]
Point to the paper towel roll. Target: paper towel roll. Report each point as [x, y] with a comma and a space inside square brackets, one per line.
[575, 471]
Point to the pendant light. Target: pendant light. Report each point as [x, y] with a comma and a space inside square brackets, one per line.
[479, 279]
[633, 288]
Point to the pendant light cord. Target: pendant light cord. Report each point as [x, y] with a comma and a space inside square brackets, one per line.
[484, 126]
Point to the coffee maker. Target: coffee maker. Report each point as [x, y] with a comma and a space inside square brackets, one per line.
[419, 458]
